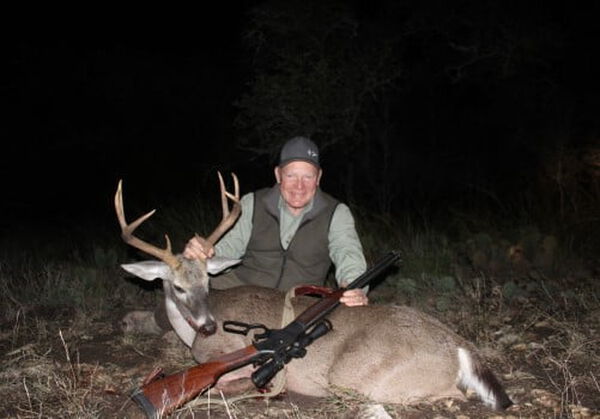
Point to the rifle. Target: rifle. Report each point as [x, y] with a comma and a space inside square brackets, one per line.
[271, 350]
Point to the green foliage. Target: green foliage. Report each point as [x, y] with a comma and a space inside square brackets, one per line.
[428, 254]
[440, 270]
[427, 260]
[105, 258]
[445, 284]
[406, 286]
[86, 288]
[444, 303]
[512, 290]
[85, 280]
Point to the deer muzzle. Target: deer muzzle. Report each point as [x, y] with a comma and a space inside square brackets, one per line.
[206, 328]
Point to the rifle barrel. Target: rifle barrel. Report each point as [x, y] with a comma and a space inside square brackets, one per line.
[378, 267]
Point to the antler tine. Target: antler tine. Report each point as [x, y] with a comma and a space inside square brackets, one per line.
[229, 217]
[166, 255]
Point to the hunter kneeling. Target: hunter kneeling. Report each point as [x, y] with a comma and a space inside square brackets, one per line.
[290, 234]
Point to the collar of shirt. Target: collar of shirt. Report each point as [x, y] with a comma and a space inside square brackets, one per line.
[289, 223]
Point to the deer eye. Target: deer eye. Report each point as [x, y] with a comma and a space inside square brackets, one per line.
[178, 288]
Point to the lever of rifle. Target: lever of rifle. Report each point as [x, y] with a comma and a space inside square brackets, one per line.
[242, 328]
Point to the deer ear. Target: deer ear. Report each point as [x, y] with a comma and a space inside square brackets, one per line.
[148, 270]
[218, 264]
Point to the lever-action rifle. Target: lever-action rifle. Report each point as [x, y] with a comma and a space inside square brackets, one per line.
[271, 350]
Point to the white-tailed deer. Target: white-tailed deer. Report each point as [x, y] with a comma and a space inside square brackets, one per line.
[391, 354]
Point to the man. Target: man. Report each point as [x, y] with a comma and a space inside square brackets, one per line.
[291, 233]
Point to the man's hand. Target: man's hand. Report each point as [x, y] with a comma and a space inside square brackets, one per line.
[355, 297]
[198, 248]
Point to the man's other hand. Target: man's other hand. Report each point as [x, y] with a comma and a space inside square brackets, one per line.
[355, 297]
[198, 248]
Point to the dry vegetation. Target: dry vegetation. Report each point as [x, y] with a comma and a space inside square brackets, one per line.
[67, 357]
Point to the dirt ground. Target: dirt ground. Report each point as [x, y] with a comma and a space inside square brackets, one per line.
[59, 363]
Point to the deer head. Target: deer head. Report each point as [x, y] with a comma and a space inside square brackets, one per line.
[185, 282]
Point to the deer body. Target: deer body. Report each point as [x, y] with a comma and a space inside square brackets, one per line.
[391, 354]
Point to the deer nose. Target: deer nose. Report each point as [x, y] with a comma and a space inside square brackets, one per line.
[209, 328]
[206, 329]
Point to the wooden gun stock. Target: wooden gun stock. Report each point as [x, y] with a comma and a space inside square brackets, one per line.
[163, 396]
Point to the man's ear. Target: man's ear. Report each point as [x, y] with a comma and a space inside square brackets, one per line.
[278, 174]
[319, 176]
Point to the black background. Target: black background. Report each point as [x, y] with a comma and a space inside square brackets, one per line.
[92, 99]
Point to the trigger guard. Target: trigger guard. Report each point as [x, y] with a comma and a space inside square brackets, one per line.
[241, 328]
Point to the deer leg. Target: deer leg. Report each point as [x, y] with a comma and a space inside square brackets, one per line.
[160, 317]
[147, 322]
[140, 322]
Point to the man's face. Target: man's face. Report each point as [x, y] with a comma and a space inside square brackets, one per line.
[298, 182]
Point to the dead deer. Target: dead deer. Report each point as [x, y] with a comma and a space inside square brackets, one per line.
[391, 354]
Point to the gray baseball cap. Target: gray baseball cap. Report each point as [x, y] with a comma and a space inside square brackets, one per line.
[299, 149]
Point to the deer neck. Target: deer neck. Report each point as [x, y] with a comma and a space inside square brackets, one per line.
[183, 329]
[181, 310]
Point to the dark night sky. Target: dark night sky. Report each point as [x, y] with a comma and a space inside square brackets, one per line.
[90, 104]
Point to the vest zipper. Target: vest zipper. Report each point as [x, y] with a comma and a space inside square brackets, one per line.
[282, 267]
[285, 251]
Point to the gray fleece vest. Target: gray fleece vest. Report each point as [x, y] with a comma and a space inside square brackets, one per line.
[306, 260]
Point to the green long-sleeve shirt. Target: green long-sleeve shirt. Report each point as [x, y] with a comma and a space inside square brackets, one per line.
[345, 249]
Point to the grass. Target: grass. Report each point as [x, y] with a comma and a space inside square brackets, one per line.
[36, 385]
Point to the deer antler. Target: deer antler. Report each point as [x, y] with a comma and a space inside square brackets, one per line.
[166, 255]
[229, 217]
